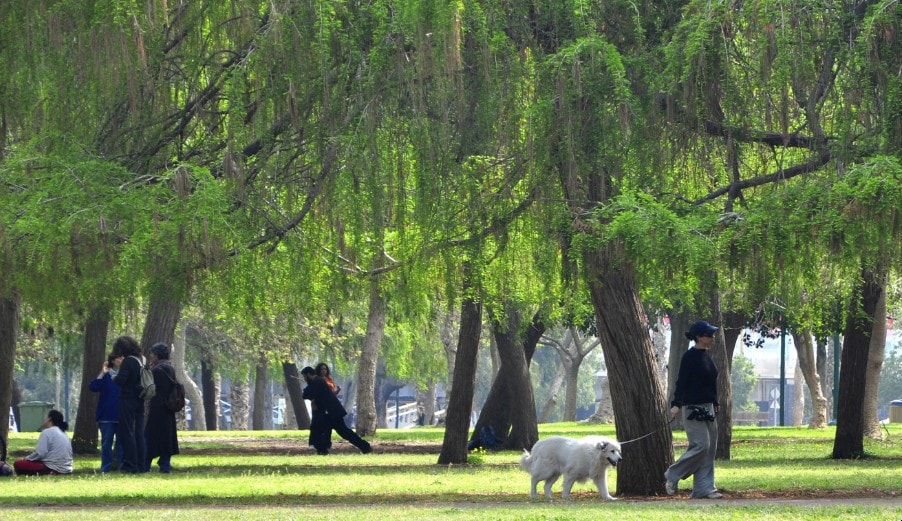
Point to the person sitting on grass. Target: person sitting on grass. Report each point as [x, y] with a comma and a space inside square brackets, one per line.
[53, 453]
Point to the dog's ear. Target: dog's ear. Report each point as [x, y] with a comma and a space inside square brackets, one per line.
[601, 446]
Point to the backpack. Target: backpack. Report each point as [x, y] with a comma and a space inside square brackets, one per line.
[175, 402]
[147, 386]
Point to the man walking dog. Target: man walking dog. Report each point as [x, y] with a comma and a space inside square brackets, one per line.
[318, 392]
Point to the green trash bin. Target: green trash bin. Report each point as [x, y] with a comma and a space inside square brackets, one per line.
[32, 415]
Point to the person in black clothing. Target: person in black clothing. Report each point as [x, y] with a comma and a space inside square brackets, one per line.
[320, 429]
[319, 392]
[696, 396]
[131, 406]
[161, 433]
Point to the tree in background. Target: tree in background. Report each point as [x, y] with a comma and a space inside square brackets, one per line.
[744, 381]
[890, 380]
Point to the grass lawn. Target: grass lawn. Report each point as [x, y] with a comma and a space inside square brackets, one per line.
[774, 473]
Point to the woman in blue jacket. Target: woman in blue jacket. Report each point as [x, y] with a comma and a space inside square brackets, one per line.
[108, 413]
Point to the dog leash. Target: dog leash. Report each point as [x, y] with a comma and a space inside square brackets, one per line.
[647, 435]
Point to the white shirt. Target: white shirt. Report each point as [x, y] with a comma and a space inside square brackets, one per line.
[54, 450]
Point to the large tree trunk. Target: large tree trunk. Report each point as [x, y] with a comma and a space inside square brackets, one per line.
[9, 332]
[460, 401]
[876, 352]
[808, 366]
[163, 315]
[636, 389]
[849, 440]
[450, 345]
[210, 395]
[293, 388]
[723, 359]
[369, 355]
[84, 436]
[510, 408]
[192, 392]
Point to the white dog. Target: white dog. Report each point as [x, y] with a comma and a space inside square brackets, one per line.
[577, 460]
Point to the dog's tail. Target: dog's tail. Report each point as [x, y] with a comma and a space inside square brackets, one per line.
[525, 461]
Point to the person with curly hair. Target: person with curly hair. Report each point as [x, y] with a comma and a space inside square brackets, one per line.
[131, 405]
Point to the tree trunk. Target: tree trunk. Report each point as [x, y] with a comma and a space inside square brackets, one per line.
[291, 421]
[163, 315]
[659, 344]
[9, 333]
[387, 388]
[210, 395]
[192, 392]
[798, 397]
[636, 389]
[239, 398]
[808, 366]
[722, 356]
[556, 385]
[510, 408]
[260, 412]
[571, 389]
[876, 352]
[825, 370]
[84, 436]
[679, 325]
[849, 440]
[460, 401]
[426, 401]
[369, 355]
[293, 388]
[450, 345]
[732, 326]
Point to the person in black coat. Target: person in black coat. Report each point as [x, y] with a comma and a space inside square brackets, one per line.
[696, 397]
[161, 431]
[130, 433]
[319, 392]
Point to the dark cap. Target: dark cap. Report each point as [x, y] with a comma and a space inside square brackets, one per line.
[701, 328]
[161, 350]
[308, 370]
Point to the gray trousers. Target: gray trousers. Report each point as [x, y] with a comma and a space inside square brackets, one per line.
[699, 457]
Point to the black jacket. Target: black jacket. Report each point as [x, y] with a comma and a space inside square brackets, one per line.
[318, 392]
[129, 379]
[160, 431]
[697, 381]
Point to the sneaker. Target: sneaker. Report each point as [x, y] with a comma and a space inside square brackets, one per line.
[712, 495]
[367, 449]
[670, 486]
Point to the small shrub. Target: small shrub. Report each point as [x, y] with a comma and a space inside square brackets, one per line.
[476, 456]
